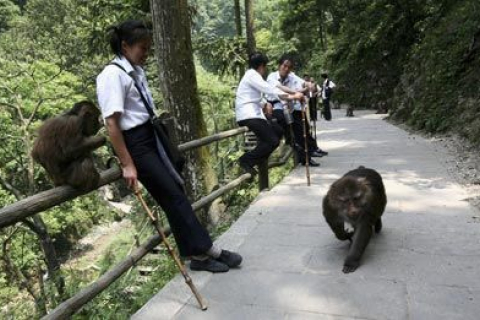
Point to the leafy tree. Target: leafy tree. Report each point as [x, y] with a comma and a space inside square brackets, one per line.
[8, 11]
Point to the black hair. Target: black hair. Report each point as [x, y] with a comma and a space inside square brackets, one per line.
[324, 75]
[256, 60]
[286, 57]
[130, 31]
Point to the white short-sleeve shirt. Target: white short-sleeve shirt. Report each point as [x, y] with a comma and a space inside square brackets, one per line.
[292, 81]
[116, 93]
[324, 85]
[249, 96]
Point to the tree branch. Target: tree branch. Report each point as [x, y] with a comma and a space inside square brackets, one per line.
[7, 186]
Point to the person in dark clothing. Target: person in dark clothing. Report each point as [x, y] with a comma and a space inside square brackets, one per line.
[327, 90]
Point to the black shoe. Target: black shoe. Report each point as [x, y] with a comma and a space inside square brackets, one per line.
[316, 154]
[209, 264]
[248, 168]
[231, 259]
[311, 163]
[325, 153]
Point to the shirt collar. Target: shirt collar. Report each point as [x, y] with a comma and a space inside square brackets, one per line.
[121, 60]
[284, 81]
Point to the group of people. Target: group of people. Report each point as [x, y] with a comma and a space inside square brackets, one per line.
[273, 108]
[127, 109]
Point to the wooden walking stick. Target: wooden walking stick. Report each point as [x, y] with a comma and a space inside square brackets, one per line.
[179, 264]
[307, 160]
[313, 127]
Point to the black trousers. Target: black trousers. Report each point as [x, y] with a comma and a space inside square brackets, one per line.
[327, 113]
[298, 135]
[268, 138]
[278, 114]
[312, 106]
[190, 236]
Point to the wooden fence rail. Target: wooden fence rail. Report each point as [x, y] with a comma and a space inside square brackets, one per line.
[42, 201]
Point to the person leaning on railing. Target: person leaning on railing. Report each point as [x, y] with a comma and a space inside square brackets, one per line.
[127, 107]
[248, 111]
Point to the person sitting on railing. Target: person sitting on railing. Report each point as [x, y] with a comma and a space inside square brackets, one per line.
[248, 111]
[292, 83]
[127, 108]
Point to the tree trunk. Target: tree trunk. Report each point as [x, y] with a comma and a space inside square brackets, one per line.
[251, 45]
[238, 17]
[238, 24]
[323, 40]
[51, 259]
[173, 47]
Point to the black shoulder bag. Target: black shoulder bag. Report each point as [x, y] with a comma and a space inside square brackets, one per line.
[160, 129]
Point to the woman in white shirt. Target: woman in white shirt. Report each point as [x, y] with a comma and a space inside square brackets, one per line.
[127, 107]
[249, 111]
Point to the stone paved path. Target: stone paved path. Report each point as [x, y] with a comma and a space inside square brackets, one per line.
[423, 266]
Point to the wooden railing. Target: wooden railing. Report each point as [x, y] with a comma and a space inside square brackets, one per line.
[42, 201]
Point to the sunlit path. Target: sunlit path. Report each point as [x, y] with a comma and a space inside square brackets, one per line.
[424, 264]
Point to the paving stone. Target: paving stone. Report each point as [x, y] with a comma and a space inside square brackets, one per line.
[443, 303]
[318, 316]
[222, 311]
[329, 295]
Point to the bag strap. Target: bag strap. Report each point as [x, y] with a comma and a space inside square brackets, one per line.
[139, 89]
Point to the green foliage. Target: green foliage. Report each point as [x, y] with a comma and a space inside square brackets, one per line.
[221, 55]
[8, 11]
[440, 84]
[213, 18]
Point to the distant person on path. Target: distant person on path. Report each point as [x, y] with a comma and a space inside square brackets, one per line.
[127, 108]
[327, 90]
[249, 111]
[314, 90]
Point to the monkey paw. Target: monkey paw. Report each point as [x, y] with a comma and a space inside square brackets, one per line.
[345, 236]
[350, 266]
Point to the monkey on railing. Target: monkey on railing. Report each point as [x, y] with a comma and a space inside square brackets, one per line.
[65, 143]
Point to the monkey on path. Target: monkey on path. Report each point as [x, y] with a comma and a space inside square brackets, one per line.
[359, 199]
[65, 143]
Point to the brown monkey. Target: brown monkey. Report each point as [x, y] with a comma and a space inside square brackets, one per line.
[357, 198]
[65, 143]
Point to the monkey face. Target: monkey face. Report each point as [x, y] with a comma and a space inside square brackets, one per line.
[349, 197]
[91, 121]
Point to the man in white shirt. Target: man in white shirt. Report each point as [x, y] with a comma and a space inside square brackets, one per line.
[290, 82]
[249, 111]
[327, 90]
[286, 80]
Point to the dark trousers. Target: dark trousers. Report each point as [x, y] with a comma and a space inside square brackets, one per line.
[298, 135]
[268, 138]
[327, 113]
[312, 106]
[190, 236]
[278, 114]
